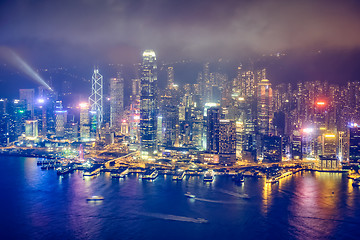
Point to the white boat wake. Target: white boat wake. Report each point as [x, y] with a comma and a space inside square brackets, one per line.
[175, 218]
[235, 194]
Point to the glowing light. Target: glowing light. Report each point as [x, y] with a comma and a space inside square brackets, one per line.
[41, 100]
[308, 130]
[83, 105]
[320, 103]
[353, 125]
[329, 135]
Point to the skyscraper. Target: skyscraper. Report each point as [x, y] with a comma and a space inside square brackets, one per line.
[61, 120]
[354, 152]
[28, 95]
[116, 101]
[265, 110]
[227, 141]
[96, 98]
[84, 121]
[148, 103]
[212, 133]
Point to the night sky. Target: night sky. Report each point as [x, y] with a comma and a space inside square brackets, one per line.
[75, 32]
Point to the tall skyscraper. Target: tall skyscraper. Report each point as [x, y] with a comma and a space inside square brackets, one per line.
[354, 152]
[227, 141]
[212, 133]
[96, 98]
[61, 120]
[265, 109]
[31, 128]
[170, 76]
[116, 101]
[84, 121]
[28, 95]
[148, 103]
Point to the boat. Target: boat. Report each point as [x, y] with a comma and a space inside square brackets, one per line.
[179, 176]
[94, 170]
[209, 176]
[272, 180]
[239, 177]
[95, 198]
[189, 195]
[356, 182]
[150, 174]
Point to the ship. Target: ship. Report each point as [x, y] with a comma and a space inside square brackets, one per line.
[95, 198]
[179, 175]
[120, 174]
[356, 182]
[150, 174]
[239, 177]
[95, 170]
[209, 176]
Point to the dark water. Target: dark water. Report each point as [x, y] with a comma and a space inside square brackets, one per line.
[37, 204]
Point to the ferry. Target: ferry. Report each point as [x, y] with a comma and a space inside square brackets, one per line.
[95, 198]
[95, 170]
[121, 174]
[239, 177]
[356, 182]
[179, 176]
[272, 180]
[189, 195]
[150, 174]
[91, 172]
[66, 169]
[209, 176]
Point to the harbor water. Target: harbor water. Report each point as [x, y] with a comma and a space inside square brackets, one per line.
[39, 204]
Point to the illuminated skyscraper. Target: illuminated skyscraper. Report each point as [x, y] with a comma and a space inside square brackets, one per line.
[96, 98]
[265, 108]
[227, 141]
[212, 133]
[354, 152]
[148, 103]
[31, 128]
[84, 121]
[28, 95]
[61, 120]
[116, 101]
[170, 76]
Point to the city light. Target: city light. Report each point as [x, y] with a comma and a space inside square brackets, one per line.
[320, 103]
[308, 130]
[329, 135]
[83, 105]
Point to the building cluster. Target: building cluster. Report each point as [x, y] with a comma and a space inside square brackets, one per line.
[220, 120]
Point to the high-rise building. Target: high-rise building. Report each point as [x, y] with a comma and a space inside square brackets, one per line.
[148, 103]
[31, 128]
[265, 108]
[329, 144]
[354, 151]
[170, 77]
[61, 120]
[84, 121]
[28, 95]
[96, 97]
[134, 120]
[227, 141]
[212, 133]
[272, 149]
[116, 101]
